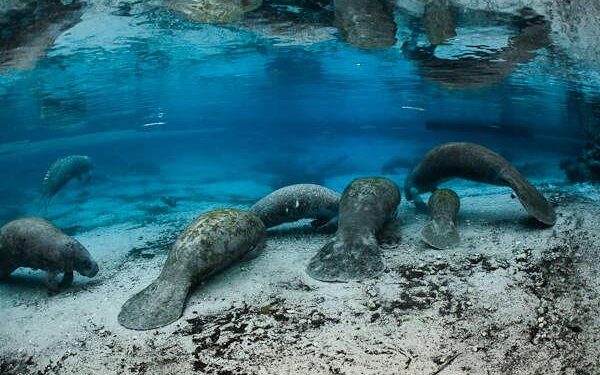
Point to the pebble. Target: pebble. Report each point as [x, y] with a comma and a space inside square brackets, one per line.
[372, 305]
[521, 257]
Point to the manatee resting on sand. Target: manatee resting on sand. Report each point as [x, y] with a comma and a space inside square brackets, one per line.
[62, 171]
[477, 163]
[367, 204]
[209, 244]
[36, 243]
[295, 202]
[440, 232]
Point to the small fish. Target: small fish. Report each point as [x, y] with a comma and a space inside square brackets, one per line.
[440, 232]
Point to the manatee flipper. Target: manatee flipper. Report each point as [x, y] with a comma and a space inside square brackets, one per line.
[160, 304]
[533, 201]
[336, 263]
[67, 279]
[440, 234]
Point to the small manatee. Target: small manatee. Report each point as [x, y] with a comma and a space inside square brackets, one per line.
[61, 172]
[209, 244]
[367, 205]
[301, 201]
[476, 163]
[440, 232]
[36, 243]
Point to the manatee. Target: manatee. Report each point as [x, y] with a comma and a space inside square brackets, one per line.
[366, 24]
[36, 243]
[61, 172]
[476, 163]
[295, 202]
[214, 11]
[209, 244]
[440, 232]
[367, 205]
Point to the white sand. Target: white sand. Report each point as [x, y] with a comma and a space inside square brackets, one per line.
[511, 299]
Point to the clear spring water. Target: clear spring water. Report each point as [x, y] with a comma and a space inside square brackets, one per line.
[181, 116]
[226, 112]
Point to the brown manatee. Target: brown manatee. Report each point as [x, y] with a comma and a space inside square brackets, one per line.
[367, 205]
[440, 232]
[476, 163]
[366, 23]
[210, 243]
[61, 172]
[36, 243]
[300, 201]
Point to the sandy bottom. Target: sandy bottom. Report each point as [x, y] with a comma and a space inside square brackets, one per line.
[513, 298]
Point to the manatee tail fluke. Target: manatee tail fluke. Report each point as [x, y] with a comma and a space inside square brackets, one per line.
[160, 304]
[533, 201]
[337, 262]
[440, 234]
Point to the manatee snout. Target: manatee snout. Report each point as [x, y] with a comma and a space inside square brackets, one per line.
[89, 269]
[83, 262]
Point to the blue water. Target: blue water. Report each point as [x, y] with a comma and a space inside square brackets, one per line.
[236, 110]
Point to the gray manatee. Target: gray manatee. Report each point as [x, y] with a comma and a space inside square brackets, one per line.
[476, 163]
[295, 202]
[367, 205]
[62, 171]
[366, 23]
[440, 232]
[210, 243]
[36, 243]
